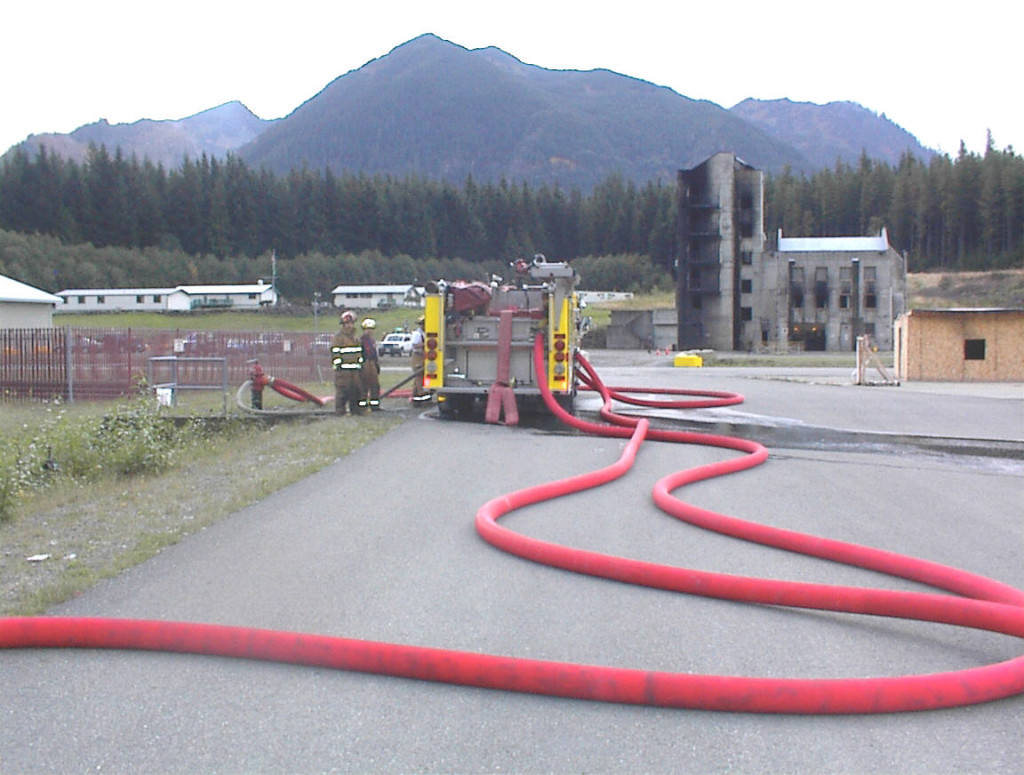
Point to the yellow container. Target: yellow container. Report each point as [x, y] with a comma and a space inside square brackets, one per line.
[688, 360]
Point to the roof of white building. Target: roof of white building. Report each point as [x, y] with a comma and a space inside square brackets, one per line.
[876, 244]
[12, 290]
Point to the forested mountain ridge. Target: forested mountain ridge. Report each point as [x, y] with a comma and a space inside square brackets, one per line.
[963, 213]
[214, 132]
[837, 130]
[435, 109]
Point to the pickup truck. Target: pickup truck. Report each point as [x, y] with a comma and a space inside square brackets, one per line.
[395, 344]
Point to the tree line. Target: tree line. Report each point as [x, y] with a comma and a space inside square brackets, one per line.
[962, 213]
[213, 220]
[225, 208]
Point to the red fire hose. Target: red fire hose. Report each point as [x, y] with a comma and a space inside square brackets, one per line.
[982, 604]
[258, 379]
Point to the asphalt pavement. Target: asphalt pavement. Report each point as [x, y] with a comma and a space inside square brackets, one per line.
[381, 546]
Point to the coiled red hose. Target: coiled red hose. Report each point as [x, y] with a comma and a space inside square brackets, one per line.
[986, 604]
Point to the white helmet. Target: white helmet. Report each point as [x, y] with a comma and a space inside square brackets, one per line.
[369, 323]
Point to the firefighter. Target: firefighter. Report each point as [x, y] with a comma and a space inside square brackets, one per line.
[419, 393]
[347, 361]
[371, 366]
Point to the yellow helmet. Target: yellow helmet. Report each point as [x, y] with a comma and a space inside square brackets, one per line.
[369, 323]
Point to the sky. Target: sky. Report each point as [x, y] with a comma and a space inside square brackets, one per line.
[946, 75]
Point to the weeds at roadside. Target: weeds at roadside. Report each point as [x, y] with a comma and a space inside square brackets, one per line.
[67, 532]
[131, 439]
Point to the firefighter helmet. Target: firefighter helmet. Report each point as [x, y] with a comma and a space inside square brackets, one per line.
[369, 323]
[348, 316]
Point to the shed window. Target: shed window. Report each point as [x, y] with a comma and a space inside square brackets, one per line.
[974, 349]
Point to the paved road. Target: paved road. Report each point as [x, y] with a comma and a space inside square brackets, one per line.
[402, 563]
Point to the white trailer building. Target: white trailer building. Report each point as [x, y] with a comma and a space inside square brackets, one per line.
[180, 298]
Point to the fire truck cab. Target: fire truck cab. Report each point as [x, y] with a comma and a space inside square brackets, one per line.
[479, 340]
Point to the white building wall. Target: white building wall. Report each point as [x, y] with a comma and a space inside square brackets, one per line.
[25, 315]
[130, 300]
[376, 296]
[182, 298]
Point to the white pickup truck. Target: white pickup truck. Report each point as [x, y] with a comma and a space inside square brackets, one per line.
[395, 344]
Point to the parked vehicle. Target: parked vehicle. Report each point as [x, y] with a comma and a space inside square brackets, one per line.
[395, 344]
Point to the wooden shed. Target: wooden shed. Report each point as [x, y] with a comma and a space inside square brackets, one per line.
[960, 345]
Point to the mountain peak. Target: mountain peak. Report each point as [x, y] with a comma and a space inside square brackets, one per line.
[214, 132]
[433, 108]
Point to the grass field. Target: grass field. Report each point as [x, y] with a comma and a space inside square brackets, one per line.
[263, 320]
[931, 290]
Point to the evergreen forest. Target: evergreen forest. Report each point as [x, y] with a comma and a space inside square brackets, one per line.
[112, 221]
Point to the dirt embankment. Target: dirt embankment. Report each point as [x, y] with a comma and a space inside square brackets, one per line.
[942, 290]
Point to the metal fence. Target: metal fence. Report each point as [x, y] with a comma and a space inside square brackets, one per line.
[82, 364]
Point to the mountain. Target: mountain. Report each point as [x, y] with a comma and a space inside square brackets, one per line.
[837, 130]
[214, 132]
[435, 109]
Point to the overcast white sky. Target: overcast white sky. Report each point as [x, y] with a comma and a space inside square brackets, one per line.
[944, 73]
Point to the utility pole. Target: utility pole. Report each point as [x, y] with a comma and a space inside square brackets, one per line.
[273, 274]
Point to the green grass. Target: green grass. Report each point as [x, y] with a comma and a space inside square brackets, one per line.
[265, 320]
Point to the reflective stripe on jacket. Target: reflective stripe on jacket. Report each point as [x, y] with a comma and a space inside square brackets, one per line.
[345, 357]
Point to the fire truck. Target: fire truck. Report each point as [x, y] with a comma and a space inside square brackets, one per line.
[479, 341]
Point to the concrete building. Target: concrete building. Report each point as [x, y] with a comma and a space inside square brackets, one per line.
[821, 293]
[960, 345]
[736, 292]
[22, 306]
[180, 298]
[641, 329]
[721, 240]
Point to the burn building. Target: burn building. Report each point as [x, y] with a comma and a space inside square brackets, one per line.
[734, 291]
[721, 240]
[821, 293]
